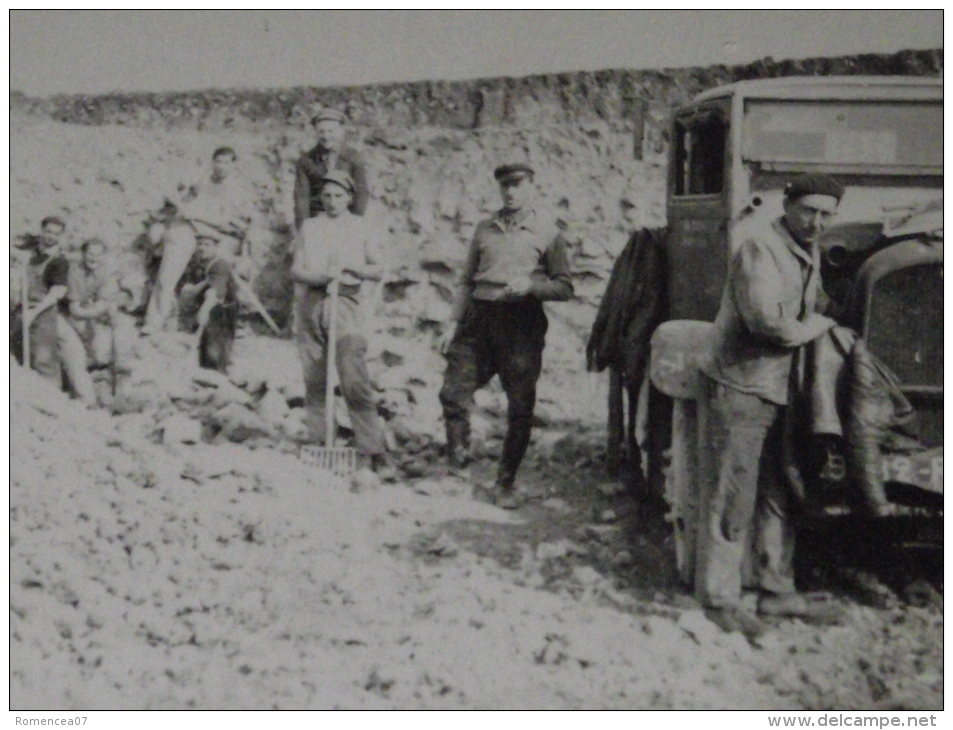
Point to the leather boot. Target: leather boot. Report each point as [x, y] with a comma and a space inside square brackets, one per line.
[514, 448]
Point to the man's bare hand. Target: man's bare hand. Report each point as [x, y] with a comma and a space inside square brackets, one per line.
[443, 342]
[518, 287]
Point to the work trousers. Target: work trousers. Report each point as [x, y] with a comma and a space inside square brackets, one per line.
[313, 319]
[57, 350]
[495, 338]
[106, 342]
[178, 245]
[750, 499]
[216, 341]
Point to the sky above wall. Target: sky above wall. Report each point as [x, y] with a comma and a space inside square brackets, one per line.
[79, 51]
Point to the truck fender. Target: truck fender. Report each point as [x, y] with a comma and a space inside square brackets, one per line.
[677, 350]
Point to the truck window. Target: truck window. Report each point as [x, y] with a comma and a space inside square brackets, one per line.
[700, 154]
[865, 137]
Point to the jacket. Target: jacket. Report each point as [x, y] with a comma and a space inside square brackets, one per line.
[634, 302]
[310, 170]
[768, 310]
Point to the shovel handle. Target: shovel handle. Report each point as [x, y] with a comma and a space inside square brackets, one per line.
[24, 324]
[332, 357]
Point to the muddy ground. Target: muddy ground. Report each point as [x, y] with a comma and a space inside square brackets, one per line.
[154, 569]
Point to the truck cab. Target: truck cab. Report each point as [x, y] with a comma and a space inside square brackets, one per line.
[733, 148]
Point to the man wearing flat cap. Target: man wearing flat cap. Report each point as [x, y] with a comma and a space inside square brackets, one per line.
[768, 313]
[341, 246]
[517, 260]
[327, 155]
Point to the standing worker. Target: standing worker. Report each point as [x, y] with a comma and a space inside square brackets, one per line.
[768, 313]
[328, 155]
[338, 245]
[516, 262]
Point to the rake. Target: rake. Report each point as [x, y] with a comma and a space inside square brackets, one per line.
[339, 460]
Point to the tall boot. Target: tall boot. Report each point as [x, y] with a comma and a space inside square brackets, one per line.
[458, 443]
[514, 448]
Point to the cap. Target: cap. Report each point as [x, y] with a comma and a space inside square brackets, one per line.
[327, 113]
[90, 242]
[516, 171]
[813, 183]
[26, 241]
[339, 177]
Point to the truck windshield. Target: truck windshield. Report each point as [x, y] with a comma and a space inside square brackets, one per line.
[887, 137]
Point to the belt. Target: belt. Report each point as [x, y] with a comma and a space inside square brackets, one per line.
[344, 290]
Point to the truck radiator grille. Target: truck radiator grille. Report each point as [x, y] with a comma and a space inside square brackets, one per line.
[905, 330]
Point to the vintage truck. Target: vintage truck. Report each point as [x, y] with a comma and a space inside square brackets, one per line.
[732, 149]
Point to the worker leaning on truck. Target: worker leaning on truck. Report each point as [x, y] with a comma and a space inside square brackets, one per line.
[767, 312]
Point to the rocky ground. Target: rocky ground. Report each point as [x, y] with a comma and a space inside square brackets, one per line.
[171, 551]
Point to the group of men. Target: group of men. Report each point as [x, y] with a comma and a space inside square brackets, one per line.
[77, 318]
[517, 260]
[67, 317]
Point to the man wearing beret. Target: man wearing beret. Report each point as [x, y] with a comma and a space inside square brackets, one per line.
[517, 261]
[768, 313]
[327, 155]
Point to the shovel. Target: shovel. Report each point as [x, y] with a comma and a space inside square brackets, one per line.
[25, 325]
[340, 460]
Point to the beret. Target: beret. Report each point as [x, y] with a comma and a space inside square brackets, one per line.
[516, 171]
[327, 113]
[813, 183]
[339, 177]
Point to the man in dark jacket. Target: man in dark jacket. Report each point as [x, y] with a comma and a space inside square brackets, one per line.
[328, 154]
[55, 347]
[517, 260]
[210, 278]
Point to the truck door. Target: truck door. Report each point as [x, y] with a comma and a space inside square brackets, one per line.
[698, 210]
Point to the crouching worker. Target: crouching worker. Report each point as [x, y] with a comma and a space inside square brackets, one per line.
[338, 246]
[96, 306]
[210, 287]
[55, 348]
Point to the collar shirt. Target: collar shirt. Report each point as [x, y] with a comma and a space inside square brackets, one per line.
[347, 241]
[511, 245]
[768, 310]
[310, 170]
[87, 286]
[217, 207]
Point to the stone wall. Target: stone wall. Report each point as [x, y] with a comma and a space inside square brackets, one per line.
[615, 96]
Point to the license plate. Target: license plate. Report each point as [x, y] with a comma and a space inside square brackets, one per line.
[924, 469]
